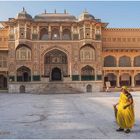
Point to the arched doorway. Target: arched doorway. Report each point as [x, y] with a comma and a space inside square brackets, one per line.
[87, 73]
[125, 79]
[89, 88]
[56, 74]
[23, 74]
[137, 79]
[3, 82]
[112, 78]
[22, 89]
[56, 63]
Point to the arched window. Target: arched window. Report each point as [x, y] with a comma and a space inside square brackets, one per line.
[23, 74]
[55, 57]
[87, 53]
[137, 61]
[109, 61]
[137, 79]
[87, 73]
[125, 79]
[66, 34]
[44, 34]
[55, 34]
[23, 53]
[112, 78]
[124, 61]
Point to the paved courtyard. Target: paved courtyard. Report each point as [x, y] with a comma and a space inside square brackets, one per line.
[62, 116]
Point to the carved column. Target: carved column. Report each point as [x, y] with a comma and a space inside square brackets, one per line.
[71, 32]
[49, 32]
[132, 80]
[78, 32]
[132, 62]
[90, 30]
[118, 79]
[61, 30]
[84, 29]
[38, 32]
[95, 75]
[25, 31]
[117, 59]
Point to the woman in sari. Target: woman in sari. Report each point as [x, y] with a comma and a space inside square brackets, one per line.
[125, 111]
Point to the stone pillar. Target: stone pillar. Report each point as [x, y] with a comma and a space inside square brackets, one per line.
[38, 32]
[118, 80]
[78, 31]
[70, 70]
[71, 32]
[132, 62]
[61, 32]
[18, 31]
[95, 75]
[84, 29]
[25, 31]
[117, 59]
[132, 80]
[49, 32]
[90, 30]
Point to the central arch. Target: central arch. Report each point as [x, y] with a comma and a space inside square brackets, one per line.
[23, 74]
[56, 74]
[56, 64]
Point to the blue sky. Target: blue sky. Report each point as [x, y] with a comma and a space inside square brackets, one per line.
[123, 14]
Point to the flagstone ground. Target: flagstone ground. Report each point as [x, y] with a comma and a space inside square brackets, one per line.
[87, 115]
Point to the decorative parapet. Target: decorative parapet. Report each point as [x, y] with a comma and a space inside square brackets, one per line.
[119, 29]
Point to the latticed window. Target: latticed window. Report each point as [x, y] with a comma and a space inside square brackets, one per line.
[23, 53]
[87, 73]
[87, 70]
[23, 74]
[22, 33]
[56, 57]
[87, 53]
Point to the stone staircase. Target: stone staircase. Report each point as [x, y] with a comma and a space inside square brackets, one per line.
[56, 88]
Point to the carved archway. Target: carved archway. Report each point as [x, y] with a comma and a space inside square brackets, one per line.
[56, 74]
[55, 59]
[23, 74]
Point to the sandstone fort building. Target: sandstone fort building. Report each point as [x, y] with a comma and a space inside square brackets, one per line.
[57, 52]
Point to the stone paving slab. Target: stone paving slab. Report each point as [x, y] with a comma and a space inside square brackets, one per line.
[63, 116]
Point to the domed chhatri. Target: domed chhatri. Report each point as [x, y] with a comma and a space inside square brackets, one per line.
[86, 16]
[24, 15]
